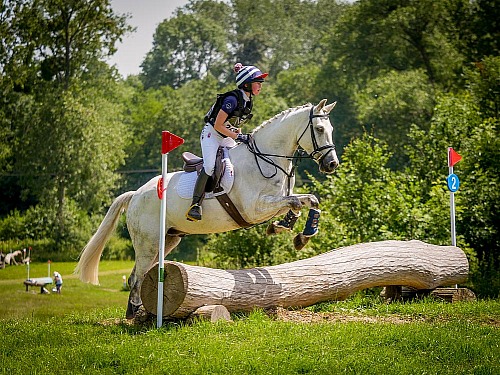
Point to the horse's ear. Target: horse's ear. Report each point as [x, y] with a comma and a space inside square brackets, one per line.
[329, 107]
[320, 106]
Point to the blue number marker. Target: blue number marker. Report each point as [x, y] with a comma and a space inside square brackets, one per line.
[453, 182]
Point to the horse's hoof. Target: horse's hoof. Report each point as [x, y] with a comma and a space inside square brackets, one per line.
[143, 317]
[132, 310]
[299, 241]
[271, 229]
[276, 228]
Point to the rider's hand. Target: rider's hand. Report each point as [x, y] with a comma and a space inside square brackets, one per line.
[244, 138]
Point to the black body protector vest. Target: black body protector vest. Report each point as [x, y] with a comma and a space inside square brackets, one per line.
[238, 117]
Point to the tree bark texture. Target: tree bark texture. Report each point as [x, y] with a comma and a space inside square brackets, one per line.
[326, 277]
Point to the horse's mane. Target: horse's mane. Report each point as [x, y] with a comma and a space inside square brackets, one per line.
[280, 115]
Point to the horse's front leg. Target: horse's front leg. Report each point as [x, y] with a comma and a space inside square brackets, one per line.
[144, 261]
[295, 203]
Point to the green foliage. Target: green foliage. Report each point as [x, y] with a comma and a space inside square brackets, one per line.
[298, 86]
[483, 83]
[189, 46]
[118, 248]
[480, 198]
[36, 227]
[67, 139]
[251, 247]
[208, 37]
[56, 40]
[79, 154]
[392, 103]
[481, 34]
[396, 36]
[366, 201]
[459, 121]
[373, 42]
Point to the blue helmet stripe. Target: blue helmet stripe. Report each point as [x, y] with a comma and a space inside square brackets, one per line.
[246, 73]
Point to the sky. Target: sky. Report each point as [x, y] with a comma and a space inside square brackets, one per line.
[146, 15]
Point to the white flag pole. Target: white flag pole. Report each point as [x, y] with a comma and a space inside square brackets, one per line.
[452, 214]
[169, 142]
[161, 252]
[453, 185]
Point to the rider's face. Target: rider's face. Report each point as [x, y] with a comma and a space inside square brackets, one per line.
[256, 87]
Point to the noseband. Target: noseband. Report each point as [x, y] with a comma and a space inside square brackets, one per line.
[316, 149]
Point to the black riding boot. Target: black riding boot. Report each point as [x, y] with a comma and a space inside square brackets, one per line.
[194, 213]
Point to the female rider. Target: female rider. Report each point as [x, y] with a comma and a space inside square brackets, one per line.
[223, 121]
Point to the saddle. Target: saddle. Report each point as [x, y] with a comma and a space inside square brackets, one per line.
[193, 163]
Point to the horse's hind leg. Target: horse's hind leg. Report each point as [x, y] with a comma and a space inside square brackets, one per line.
[142, 265]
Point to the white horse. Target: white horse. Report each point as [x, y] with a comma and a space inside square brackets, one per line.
[10, 258]
[261, 191]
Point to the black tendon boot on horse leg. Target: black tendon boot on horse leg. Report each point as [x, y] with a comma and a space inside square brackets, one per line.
[285, 224]
[194, 213]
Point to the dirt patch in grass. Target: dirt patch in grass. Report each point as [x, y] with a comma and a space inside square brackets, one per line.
[306, 316]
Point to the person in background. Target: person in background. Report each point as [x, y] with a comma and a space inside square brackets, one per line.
[58, 281]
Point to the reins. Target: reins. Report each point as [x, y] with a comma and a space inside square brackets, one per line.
[302, 154]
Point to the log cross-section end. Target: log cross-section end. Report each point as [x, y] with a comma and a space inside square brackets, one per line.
[173, 295]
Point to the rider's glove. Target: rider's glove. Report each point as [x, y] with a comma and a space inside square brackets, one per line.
[245, 138]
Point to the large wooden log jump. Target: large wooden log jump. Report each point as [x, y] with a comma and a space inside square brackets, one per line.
[326, 277]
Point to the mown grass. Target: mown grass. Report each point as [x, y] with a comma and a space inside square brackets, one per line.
[87, 335]
[75, 297]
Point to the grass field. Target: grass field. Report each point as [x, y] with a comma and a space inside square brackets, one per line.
[82, 331]
[75, 297]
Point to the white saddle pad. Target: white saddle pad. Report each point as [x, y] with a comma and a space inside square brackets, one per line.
[185, 187]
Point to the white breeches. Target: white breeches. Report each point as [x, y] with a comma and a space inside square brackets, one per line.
[210, 141]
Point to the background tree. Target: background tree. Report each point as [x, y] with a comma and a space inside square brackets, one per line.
[189, 45]
[365, 200]
[467, 121]
[373, 38]
[61, 146]
[210, 37]
[389, 105]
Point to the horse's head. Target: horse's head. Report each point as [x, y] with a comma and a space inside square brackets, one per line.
[316, 139]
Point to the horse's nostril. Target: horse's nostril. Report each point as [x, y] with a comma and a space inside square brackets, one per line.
[333, 164]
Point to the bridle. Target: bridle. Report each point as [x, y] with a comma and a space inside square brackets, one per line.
[302, 154]
[316, 149]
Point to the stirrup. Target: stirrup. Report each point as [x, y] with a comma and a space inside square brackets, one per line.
[194, 213]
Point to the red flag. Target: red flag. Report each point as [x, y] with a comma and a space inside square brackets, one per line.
[453, 157]
[169, 141]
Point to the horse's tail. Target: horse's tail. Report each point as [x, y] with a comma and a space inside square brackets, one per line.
[88, 265]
